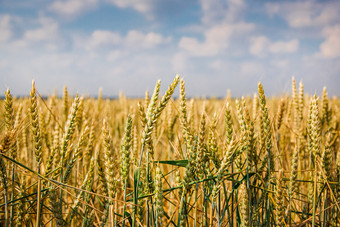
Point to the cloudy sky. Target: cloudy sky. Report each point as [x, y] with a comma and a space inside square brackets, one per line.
[126, 45]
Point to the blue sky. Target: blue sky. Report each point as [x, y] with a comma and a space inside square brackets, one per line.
[126, 45]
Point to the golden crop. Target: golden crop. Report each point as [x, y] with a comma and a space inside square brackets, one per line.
[250, 161]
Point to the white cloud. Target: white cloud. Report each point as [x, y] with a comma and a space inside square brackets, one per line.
[47, 32]
[221, 10]
[143, 6]
[261, 46]
[44, 34]
[252, 68]
[179, 62]
[330, 48]
[5, 28]
[319, 19]
[154, 9]
[70, 8]
[4, 63]
[102, 38]
[306, 13]
[216, 39]
[217, 64]
[222, 23]
[114, 55]
[105, 57]
[284, 47]
[133, 40]
[280, 63]
[137, 39]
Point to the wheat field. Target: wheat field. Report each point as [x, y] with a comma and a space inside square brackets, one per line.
[160, 161]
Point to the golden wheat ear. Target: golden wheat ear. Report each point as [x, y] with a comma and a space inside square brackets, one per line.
[109, 163]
